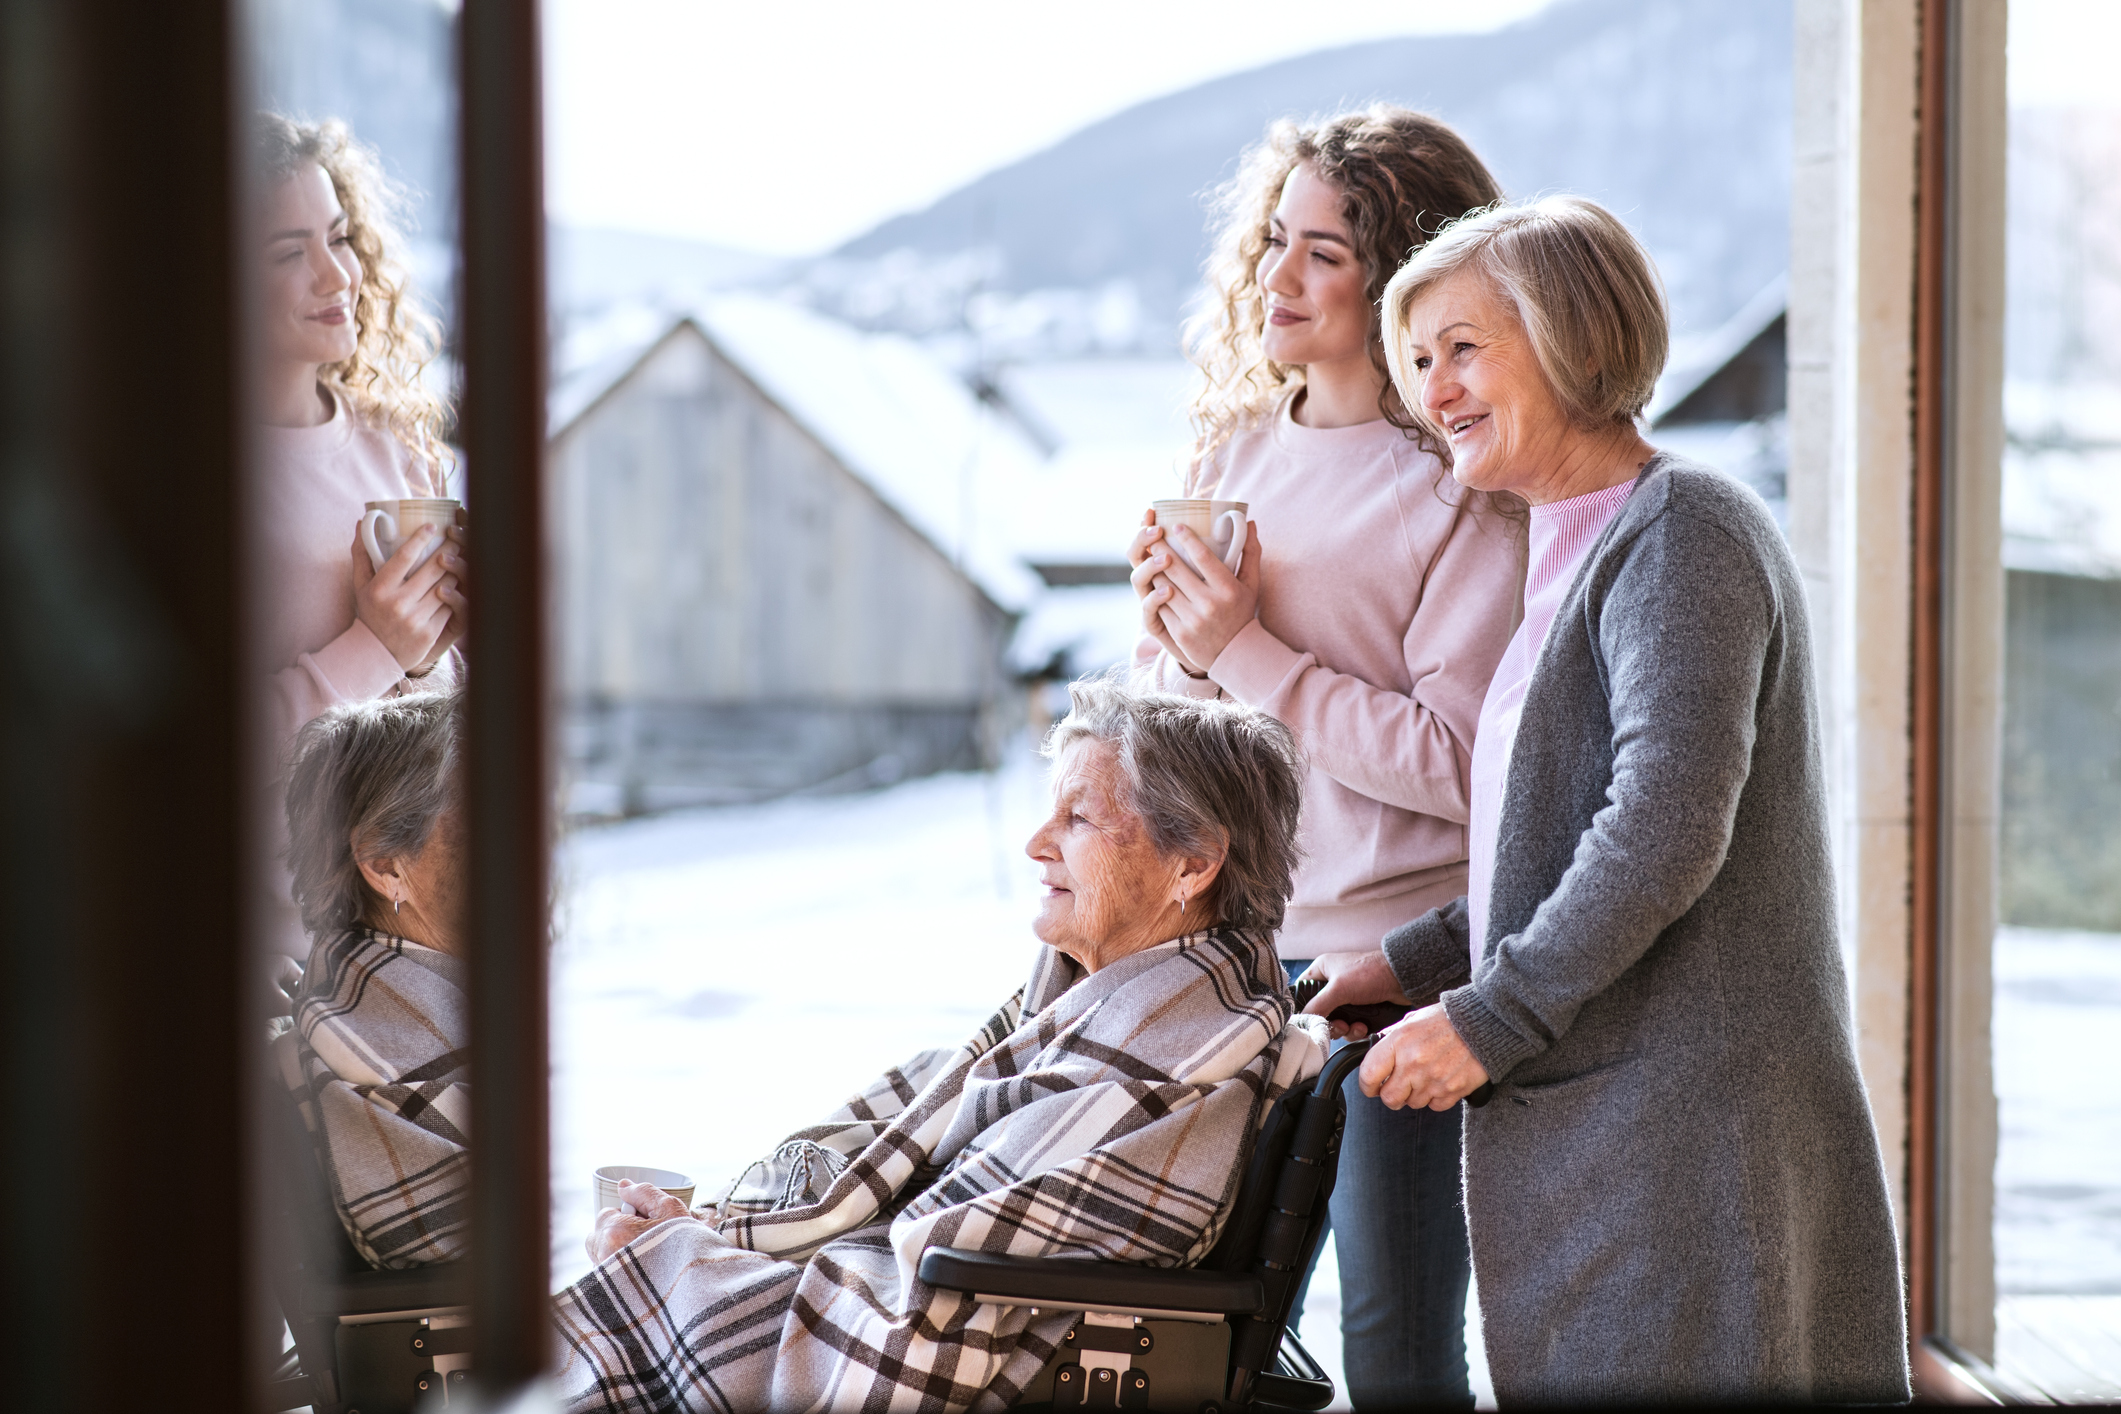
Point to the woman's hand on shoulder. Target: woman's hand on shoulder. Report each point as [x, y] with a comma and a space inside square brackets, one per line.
[415, 611]
[616, 1227]
[1421, 1062]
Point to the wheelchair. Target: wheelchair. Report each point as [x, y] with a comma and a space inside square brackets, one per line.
[365, 1341]
[1211, 1339]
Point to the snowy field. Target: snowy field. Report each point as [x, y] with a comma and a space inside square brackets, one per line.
[724, 976]
[2058, 1162]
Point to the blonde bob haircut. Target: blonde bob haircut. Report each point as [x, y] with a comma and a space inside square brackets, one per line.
[1584, 288]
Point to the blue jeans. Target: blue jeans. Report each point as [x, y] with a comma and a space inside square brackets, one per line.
[1400, 1222]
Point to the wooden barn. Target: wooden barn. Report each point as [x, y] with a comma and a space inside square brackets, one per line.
[771, 567]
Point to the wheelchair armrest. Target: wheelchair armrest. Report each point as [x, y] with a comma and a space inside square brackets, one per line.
[409, 1289]
[1080, 1284]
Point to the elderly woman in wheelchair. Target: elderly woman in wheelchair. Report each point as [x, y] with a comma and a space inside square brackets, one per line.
[1103, 1114]
[374, 1053]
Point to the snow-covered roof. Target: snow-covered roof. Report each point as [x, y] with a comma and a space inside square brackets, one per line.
[2062, 479]
[890, 413]
[1695, 361]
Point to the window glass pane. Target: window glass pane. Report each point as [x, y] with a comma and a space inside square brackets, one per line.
[2058, 954]
[348, 250]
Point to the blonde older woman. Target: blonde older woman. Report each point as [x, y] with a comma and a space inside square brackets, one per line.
[1104, 1111]
[1677, 1191]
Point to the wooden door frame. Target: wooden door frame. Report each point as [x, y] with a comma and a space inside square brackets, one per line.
[501, 312]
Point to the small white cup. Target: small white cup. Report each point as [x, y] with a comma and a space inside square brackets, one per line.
[606, 1184]
[386, 525]
[1219, 524]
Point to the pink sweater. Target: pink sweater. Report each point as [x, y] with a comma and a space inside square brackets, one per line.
[1562, 532]
[313, 484]
[1383, 609]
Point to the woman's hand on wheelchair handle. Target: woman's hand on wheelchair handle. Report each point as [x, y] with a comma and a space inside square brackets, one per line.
[1353, 979]
[1421, 1062]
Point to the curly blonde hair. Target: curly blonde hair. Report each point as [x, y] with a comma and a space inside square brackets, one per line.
[397, 336]
[1402, 176]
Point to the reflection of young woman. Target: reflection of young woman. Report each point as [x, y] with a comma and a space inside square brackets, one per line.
[339, 352]
[1373, 602]
[337, 355]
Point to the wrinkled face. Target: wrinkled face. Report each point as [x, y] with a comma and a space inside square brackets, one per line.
[1482, 384]
[1310, 280]
[308, 273]
[435, 880]
[1107, 892]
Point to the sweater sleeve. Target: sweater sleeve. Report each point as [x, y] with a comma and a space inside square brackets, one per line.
[1684, 630]
[1410, 749]
[1432, 953]
[1154, 670]
[353, 667]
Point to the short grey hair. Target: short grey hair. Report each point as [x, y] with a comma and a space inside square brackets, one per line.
[1584, 288]
[382, 772]
[1202, 776]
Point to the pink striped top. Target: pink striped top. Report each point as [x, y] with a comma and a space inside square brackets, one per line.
[1562, 532]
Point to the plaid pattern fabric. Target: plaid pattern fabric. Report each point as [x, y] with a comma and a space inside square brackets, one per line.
[376, 1059]
[1105, 1117]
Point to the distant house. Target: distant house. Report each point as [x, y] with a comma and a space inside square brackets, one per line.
[773, 574]
[1724, 397]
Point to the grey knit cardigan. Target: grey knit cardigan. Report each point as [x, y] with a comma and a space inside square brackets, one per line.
[1676, 1192]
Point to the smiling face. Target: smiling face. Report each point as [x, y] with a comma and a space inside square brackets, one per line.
[1482, 384]
[1311, 280]
[309, 274]
[1107, 892]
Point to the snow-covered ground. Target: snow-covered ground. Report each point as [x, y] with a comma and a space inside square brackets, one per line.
[2058, 1163]
[724, 976]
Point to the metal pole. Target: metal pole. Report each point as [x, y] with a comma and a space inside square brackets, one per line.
[502, 318]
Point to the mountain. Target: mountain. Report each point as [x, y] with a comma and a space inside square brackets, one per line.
[592, 268]
[1675, 113]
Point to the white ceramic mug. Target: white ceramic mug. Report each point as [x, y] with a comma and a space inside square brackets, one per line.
[606, 1184]
[1219, 524]
[387, 525]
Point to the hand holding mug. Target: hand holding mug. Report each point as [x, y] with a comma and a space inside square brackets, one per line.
[1195, 612]
[641, 1207]
[1147, 580]
[413, 602]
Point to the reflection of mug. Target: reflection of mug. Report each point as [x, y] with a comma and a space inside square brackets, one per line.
[677, 1185]
[387, 525]
[1219, 524]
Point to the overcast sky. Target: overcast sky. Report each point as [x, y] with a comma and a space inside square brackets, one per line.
[788, 128]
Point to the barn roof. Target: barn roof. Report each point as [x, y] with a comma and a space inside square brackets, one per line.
[1696, 361]
[951, 466]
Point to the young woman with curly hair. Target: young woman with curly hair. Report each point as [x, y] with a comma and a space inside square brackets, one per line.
[337, 355]
[1372, 604]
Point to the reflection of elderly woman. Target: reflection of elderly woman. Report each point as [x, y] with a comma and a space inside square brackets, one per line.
[376, 1053]
[1677, 1191]
[1102, 1112]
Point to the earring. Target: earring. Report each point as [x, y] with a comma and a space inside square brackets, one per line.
[1181, 905]
[397, 907]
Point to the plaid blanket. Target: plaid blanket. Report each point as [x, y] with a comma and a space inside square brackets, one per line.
[1102, 1116]
[376, 1059]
